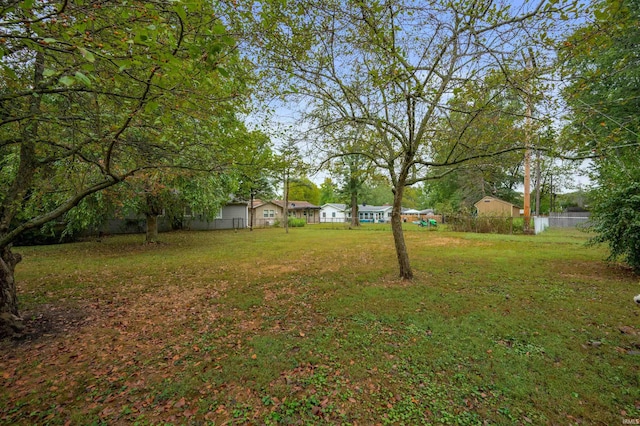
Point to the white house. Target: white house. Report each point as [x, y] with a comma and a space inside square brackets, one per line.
[376, 214]
[333, 212]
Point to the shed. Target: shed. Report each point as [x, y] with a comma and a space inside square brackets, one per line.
[491, 206]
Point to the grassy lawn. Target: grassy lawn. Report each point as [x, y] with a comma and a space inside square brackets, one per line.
[313, 327]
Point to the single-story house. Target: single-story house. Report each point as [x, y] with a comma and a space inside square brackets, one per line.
[491, 206]
[334, 212]
[266, 213]
[233, 215]
[376, 214]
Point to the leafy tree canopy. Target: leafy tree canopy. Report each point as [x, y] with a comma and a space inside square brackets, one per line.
[92, 94]
[303, 189]
[602, 64]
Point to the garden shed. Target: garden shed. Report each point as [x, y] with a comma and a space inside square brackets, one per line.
[495, 207]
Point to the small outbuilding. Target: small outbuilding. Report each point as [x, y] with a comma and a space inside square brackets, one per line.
[491, 206]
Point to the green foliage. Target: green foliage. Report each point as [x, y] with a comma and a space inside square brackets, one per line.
[616, 220]
[497, 108]
[601, 59]
[256, 168]
[485, 224]
[328, 192]
[303, 189]
[376, 193]
[296, 223]
[92, 95]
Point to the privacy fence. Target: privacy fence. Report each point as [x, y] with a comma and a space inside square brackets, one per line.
[569, 220]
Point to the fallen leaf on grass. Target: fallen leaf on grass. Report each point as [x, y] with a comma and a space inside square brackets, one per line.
[625, 329]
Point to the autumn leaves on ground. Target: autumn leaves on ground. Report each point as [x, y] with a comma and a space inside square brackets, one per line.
[312, 327]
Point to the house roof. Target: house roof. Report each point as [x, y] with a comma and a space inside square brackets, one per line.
[257, 203]
[410, 211]
[296, 205]
[488, 198]
[365, 208]
[336, 206]
[293, 204]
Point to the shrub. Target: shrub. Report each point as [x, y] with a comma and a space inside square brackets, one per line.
[296, 223]
[486, 224]
[616, 220]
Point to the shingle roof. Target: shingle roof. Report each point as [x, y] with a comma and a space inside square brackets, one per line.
[365, 208]
[336, 206]
[296, 205]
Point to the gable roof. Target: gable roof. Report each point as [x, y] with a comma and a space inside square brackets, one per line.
[489, 199]
[366, 208]
[337, 206]
[293, 204]
[257, 203]
[296, 205]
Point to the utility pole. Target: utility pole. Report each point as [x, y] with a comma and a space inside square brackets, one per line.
[538, 180]
[527, 154]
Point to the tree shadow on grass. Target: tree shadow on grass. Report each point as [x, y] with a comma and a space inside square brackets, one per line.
[49, 321]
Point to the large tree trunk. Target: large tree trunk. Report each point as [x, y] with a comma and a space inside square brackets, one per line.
[398, 235]
[10, 320]
[152, 228]
[152, 211]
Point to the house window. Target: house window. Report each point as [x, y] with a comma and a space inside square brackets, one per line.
[272, 213]
[188, 212]
[265, 213]
[219, 215]
[333, 214]
[324, 214]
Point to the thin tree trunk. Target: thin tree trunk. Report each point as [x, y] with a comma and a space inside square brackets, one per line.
[355, 219]
[285, 210]
[251, 212]
[398, 235]
[10, 320]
